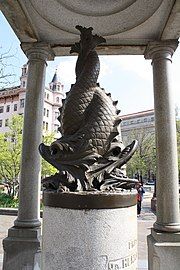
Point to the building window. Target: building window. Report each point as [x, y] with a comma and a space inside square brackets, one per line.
[15, 107]
[6, 122]
[47, 113]
[138, 121]
[1, 109]
[47, 96]
[56, 128]
[131, 122]
[145, 119]
[152, 118]
[56, 115]
[24, 71]
[1, 123]
[44, 111]
[8, 108]
[46, 126]
[24, 84]
[22, 103]
[43, 125]
[57, 99]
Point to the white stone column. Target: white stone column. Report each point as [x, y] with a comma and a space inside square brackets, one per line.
[29, 191]
[166, 143]
[164, 240]
[23, 239]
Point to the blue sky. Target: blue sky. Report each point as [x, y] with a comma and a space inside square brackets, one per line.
[127, 78]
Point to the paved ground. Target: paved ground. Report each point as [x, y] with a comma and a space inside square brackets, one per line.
[5, 223]
[145, 222]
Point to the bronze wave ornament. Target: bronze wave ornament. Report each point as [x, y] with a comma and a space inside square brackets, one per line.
[90, 154]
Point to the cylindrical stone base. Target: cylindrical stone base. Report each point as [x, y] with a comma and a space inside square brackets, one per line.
[90, 239]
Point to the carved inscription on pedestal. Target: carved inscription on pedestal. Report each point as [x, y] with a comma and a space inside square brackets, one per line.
[125, 262]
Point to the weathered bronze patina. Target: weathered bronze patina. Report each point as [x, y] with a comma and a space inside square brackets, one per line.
[90, 153]
[90, 199]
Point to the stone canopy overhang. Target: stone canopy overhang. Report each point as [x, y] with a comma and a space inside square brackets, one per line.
[127, 25]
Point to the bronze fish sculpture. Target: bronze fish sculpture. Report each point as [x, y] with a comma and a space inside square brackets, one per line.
[90, 150]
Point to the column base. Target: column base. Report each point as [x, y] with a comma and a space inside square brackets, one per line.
[34, 223]
[169, 228]
[163, 250]
[22, 249]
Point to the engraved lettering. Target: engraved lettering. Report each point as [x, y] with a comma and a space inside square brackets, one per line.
[132, 244]
[122, 263]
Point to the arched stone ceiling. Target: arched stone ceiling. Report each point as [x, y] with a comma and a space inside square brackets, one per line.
[107, 17]
[127, 25]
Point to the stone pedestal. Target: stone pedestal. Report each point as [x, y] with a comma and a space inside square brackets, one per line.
[163, 251]
[89, 231]
[22, 249]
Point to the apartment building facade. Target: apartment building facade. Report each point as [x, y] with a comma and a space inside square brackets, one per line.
[138, 121]
[12, 102]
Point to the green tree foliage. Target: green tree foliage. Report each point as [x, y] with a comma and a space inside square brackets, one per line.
[143, 161]
[10, 144]
[47, 169]
[10, 155]
[8, 201]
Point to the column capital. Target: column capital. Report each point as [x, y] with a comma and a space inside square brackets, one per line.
[38, 51]
[159, 48]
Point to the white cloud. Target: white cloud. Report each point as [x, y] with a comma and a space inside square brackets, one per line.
[105, 68]
[132, 63]
[66, 70]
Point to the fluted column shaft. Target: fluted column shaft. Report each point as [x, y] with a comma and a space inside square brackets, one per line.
[29, 190]
[166, 143]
